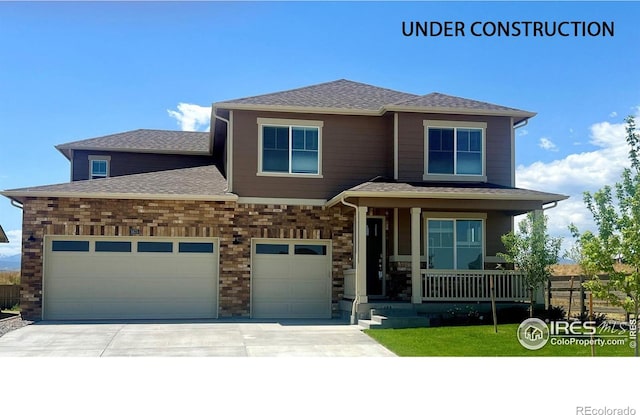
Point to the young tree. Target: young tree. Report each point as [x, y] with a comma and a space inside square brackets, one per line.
[617, 237]
[532, 251]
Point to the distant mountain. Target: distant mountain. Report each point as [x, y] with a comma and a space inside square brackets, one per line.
[10, 263]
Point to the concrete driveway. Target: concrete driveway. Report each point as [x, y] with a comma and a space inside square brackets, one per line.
[310, 338]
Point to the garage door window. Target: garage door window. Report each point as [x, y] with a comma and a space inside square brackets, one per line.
[112, 246]
[155, 246]
[273, 249]
[70, 246]
[195, 247]
[311, 250]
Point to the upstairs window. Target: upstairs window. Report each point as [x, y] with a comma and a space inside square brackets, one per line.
[454, 149]
[289, 147]
[98, 167]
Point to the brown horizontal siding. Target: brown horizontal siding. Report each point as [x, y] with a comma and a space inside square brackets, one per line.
[411, 145]
[498, 151]
[354, 150]
[122, 164]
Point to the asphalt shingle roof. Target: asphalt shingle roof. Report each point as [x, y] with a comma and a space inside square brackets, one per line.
[438, 100]
[204, 182]
[340, 94]
[452, 191]
[355, 96]
[3, 236]
[147, 141]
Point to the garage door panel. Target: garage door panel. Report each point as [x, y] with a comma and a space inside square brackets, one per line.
[171, 309]
[103, 285]
[310, 289]
[291, 285]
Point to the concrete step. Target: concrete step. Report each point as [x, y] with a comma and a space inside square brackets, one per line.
[383, 322]
[378, 318]
[394, 312]
[369, 324]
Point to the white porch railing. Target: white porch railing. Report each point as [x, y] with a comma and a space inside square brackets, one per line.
[472, 285]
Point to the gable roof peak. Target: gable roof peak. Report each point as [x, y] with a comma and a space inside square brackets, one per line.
[341, 95]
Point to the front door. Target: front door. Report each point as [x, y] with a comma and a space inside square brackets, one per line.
[375, 259]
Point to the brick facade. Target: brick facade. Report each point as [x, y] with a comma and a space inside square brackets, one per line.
[229, 221]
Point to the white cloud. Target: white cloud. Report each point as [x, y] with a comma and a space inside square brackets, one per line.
[547, 144]
[192, 117]
[577, 173]
[613, 114]
[14, 247]
[522, 132]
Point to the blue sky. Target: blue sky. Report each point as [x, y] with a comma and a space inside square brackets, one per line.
[71, 71]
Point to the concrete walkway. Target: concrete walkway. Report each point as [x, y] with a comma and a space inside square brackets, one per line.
[308, 338]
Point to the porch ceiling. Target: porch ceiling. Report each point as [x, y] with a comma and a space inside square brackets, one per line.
[448, 196]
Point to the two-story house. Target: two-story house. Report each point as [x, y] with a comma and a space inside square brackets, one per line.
[301, 203]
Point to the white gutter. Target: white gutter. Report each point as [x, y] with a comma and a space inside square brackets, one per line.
[96, 195]
[545, 198]
[375, 112]
[513, 149]
[554, 204]
[17, 204]
[354, 306]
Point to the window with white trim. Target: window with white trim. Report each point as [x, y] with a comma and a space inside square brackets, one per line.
[289, 147]
[455, 243]
[98, 167]
[454, 149]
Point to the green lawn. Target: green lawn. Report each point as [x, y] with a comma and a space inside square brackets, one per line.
[478, 341]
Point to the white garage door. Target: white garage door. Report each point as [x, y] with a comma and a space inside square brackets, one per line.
[291, 279]
[133, 278]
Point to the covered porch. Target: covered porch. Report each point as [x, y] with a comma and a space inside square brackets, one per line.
[420, 246]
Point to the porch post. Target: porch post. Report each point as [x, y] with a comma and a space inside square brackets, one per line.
[361, 266]
[416, 278]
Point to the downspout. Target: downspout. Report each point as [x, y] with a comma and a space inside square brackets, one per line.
[17, 204]
[554, 204]
[229, 154]
[521, 124]
[354, 318]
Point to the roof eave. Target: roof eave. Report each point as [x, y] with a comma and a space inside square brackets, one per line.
[546, 198]
[132, 150]
[522, 115]
[519, 115]
[66, 151]
[20, 196]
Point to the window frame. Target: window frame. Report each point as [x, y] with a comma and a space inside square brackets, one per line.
[455, 125]
[106, 159]
[290, 123]
[458, 217]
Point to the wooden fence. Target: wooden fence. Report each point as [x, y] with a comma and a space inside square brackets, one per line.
[9, 295]
[567, 291]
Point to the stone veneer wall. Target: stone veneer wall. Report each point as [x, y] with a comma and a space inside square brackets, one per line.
[181, 218]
